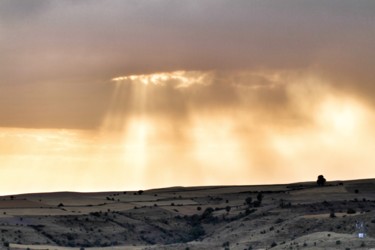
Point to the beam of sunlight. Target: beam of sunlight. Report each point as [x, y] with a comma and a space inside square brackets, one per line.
[134, 148]
[136, 143]
[136, 129]
[343, 116]
[339, 141]
[217, 148]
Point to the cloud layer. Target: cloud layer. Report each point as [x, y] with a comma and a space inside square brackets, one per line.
[60, 55]
[274, 91]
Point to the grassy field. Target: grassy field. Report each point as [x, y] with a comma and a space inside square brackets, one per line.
[293, 216]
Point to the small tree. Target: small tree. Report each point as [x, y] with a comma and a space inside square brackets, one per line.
[207, 213]
[257, 203]
[260, 197]
[227, 208]
[321, 180]
[249, 201]
[332, 214]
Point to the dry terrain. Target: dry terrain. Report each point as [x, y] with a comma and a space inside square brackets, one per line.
[294, 216]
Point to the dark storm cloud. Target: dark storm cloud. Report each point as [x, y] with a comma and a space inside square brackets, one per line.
[18, 11]
[220, 93]
[58, 56]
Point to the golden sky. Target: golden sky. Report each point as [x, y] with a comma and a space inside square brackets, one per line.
[115, 95]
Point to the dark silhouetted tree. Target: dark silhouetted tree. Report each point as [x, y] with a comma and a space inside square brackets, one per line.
[227, 208]
[332, 214]
[249, 201]
[257, 203]
[207, 213]
[321, 180]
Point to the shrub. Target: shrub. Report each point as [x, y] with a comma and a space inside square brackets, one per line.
[351, 211]
[249, 211]
[332, 214]
[256, 203]
[196, 232]
[279, 220]
[227, 208]
[260, 197]
[208, 212]
[249, 201]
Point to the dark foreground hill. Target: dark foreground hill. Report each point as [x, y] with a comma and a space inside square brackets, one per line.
[295, 216]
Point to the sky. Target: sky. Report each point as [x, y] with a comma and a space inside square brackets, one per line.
[138, 94]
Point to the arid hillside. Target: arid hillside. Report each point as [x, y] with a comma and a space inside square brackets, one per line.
[294, 216]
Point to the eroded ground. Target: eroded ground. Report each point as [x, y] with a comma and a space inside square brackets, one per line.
[296, 216]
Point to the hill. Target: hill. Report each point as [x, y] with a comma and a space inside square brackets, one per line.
[293, 216]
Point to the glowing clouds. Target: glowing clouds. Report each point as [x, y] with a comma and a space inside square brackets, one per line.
[36, 160]
[263, 124]
[180, 79]
[275, 103]
[344, 116]
[338, 139]
[202, 128]
[217, 148]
